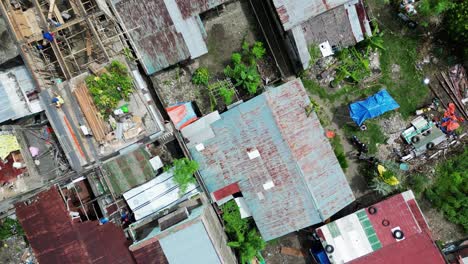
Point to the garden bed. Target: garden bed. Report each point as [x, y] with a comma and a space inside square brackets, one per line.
[227, 31]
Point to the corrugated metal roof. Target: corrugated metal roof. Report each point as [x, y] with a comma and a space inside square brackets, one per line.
[6, 108]
[194, 7]
[294, 12]
[156, 195]
[55, 239]
[362, 237]
[190, 245]
[14, 86]
[308, 183]
[198, 239]
[150, 254]
[165, 32]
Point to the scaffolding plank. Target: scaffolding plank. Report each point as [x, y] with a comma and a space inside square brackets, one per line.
[95, 122]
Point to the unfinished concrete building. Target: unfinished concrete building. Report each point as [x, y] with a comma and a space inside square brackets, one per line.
[83, 32]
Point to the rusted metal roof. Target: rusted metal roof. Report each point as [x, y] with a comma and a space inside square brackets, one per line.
[194, 7]
[365, 237]
[165, 32]
[294, 12]
[151, 253]
[281, 160]
[55, 239]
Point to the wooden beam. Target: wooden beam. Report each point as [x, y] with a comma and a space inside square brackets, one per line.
[89, 46]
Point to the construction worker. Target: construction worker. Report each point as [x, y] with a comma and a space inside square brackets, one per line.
[58, 101]
[49, 36]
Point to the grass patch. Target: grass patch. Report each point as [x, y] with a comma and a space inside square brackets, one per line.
[449, 193]
[417, 182]
[372, 136]
[408, 90]
[339, 151]
[314, 88]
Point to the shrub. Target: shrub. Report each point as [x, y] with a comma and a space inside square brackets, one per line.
[244, 76]
[236, 58]
[434, 7]
[10, 227]
[258, 51]
[449, 192]
[183, 170]
[227, 95]
[242, 234]
[339, 151]
[111, 87]
[354, 65]
[417, 183]
[315, 53]
[201, 76]
[456, 22]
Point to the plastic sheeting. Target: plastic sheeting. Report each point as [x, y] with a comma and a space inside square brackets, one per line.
[8, 144]
[373, 106]
[182, 114]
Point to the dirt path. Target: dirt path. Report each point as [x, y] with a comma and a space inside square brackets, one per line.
[357, 182]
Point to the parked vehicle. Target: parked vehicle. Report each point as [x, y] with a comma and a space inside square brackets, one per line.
[420, 126]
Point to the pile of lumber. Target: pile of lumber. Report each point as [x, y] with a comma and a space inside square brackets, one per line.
[97, 124]
[455, 84]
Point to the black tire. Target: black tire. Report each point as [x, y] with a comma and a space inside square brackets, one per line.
[398, 234]
[415, 139]
[430, 145]
[372, 210]
[426, 133]
[329, 249]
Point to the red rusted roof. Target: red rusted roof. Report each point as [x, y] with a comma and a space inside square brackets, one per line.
[226, 191]
[55, 239]
[189, 8]
[157, 28]
[150, 254]
[417, 249]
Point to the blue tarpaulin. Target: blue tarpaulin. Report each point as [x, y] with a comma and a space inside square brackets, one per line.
[374, 106]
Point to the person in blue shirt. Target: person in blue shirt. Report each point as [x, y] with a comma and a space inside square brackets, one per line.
[48, 36]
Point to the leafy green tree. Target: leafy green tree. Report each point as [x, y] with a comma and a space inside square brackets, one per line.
[434, 7]
[201, 76]
[449, 192]
[183, 170]
[457, 22]
[417, 183]
[243, 236]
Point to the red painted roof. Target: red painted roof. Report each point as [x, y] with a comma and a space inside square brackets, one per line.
[226, 191]
[417, 249]
[396, 211]
[55, 239]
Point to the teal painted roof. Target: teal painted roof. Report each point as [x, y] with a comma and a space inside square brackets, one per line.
[295, 157]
